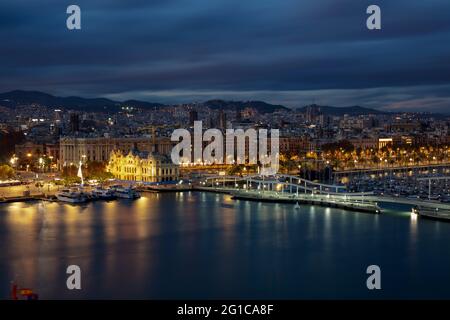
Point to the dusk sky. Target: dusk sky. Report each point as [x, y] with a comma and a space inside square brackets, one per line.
[291, 52]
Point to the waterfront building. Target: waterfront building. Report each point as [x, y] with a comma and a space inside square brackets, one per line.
[364, 143]
[402, 140]
[142, 166]
[384, 142]
[293, 145]
[73, 149]
[30, 149]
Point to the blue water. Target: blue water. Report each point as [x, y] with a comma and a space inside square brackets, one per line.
[204, 245]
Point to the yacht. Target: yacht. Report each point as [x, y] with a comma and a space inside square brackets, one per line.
[125, 192]
[71, 196]
[104, 194]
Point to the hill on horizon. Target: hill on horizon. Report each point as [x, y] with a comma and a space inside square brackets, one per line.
[339, 111]
[14, 98]
[261, 106]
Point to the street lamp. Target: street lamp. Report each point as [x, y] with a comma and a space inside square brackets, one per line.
[51, 162]
[13, 161]
[41, 164]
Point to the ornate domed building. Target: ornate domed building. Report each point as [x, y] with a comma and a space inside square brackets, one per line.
[142, 166]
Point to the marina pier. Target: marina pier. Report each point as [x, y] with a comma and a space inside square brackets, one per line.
[288, 188]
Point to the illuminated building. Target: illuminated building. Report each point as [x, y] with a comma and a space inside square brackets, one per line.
[384, 142]
[142, 166]
[37, 149]
[364, 143]
[73, 150]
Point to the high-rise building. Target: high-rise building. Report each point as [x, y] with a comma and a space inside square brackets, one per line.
[312, 112]
[222, 120]
[193, 116]
[57, 115]
[238, 116]
[74, 122]
[211, 122]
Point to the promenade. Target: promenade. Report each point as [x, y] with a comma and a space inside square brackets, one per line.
[27, 192]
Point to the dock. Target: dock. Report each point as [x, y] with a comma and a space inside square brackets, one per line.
[368, 207]
[27, 198]
[165, 188]
[432, 213]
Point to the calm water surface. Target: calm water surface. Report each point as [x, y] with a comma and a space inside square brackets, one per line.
[203, 245]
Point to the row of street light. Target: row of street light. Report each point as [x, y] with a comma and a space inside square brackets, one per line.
[14, 161]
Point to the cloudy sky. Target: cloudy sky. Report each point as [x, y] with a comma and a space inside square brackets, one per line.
[292, 52]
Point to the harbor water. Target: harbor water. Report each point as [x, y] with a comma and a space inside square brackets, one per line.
[203, 245]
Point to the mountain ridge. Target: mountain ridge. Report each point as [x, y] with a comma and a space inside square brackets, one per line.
[261, 106]
[17, 97]
[338, 111]
[14, 98]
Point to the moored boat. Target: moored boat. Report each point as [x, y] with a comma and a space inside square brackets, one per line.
[71, 196]
[104, 194]
[125, 192]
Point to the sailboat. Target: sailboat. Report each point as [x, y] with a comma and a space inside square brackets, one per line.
[72, 195]
[86, 194]
[80, 174]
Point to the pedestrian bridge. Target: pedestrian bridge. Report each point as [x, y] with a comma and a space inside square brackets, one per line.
[288, 187]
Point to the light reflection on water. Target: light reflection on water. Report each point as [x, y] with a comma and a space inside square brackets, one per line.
[204, 245]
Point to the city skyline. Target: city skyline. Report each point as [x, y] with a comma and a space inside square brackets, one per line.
[198, 150]
[289, 54]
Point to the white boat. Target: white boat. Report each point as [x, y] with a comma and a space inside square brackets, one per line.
[102, 193]
[125, 192]
[71, 196]
[297, 206]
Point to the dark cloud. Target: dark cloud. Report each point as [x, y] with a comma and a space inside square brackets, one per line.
[187, 49]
